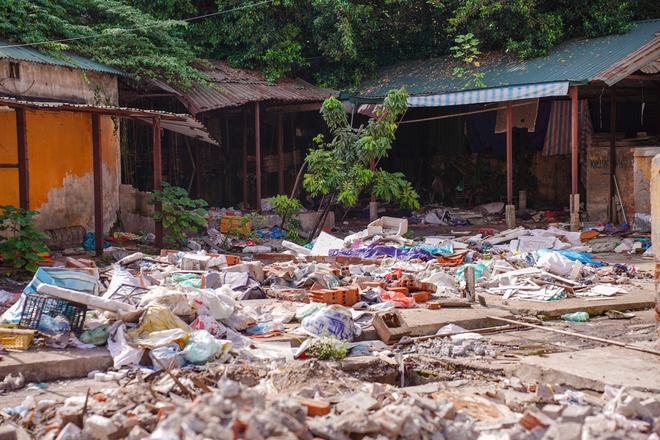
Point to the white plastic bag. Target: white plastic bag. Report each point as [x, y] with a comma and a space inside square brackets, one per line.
[208, 302]
[121, 352]
[201, 347]
[119, 277]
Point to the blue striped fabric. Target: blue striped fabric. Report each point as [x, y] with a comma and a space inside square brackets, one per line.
[480, 96]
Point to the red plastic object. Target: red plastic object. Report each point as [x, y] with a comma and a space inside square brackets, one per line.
[400, 300]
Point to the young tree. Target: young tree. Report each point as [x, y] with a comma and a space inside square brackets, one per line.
[341, 168]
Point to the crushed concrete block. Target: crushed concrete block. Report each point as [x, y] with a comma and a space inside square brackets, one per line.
[517, 385]
[653, 406]
[543, 390]
[137, 433]
[552, 411]
[7, 432]
[390, 326]
[359, 400]
[575, 413]
[564, 431]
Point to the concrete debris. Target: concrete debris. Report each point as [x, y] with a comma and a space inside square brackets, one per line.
[233, 338]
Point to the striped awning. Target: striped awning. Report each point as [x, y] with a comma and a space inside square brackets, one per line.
[481, 96]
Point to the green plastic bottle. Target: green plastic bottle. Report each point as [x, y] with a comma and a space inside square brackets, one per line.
[576, 317]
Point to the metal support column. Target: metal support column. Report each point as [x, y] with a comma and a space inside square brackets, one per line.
[257, 146]
[613, 214]
[280, 156]
[23, 169]
[158, 177]
[245, 161]
[98, 183]
[575, 195]
[510, 207]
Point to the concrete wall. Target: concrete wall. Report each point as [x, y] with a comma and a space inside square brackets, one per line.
[598, 181]
[643, 158]
[60, 161]
[135, 212]
[40, 81]
[60, 164]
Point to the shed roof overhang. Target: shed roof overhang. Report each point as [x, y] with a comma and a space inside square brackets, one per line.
[184, 124]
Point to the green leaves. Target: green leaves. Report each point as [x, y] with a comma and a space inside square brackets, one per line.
[342, 166]
[179, 213]
[21, 247]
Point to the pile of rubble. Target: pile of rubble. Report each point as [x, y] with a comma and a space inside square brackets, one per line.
[205, 403]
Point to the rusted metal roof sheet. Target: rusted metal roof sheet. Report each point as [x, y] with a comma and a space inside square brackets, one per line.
[230, 87]
[178, 123]
[26, 53]
[607, 59]
[652, 67]
[632, 62]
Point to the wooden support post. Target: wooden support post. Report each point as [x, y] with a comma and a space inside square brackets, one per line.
[510, 211]
[97, 157]
[575, 195]
[373, 205]
[198, 182]
[245, 161]
[257, 146]
[158, 177]
[23, 168]
[655, 237]
[469, 283]
[280, 156]
[613, 214]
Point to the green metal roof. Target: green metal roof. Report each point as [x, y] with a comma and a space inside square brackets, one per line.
[577, 61]
[27, 53]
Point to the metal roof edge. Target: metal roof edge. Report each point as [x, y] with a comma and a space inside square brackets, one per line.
[630, 63]
[74, 61]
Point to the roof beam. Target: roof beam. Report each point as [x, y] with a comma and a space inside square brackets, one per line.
[652, 77]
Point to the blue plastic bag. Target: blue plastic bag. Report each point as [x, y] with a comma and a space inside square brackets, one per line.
[582, 257]
[479, 270]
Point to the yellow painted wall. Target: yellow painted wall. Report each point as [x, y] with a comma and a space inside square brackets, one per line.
[8, 154]
[59, 145]
[60, 161]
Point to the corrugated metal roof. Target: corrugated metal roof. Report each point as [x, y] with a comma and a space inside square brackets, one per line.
[178, 123]
[233, 87]
[584, 60]
[26, 53]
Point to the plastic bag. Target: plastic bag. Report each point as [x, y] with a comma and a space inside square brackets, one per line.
[51, 324]
[308, 310]
[265, 328]
[158, 318]
[173, 300]
[169, 355]
[98, 336]
[480, 271]
[576, 317]
[122, 353]
[208, 323]
[582, 257]
[119, 277]
[556, 263]
[335, 319]
[213, 303]
[400, 300]
[201, 347]
[188, 280]
[160, 338]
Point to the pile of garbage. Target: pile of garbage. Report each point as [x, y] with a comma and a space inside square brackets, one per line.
[205, 403]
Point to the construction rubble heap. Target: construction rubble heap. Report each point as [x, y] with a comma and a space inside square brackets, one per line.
[307, 342]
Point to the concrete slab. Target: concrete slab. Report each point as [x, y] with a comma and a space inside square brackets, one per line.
[636, 299]
[592, 369]
[50, 364]
[423, 322]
